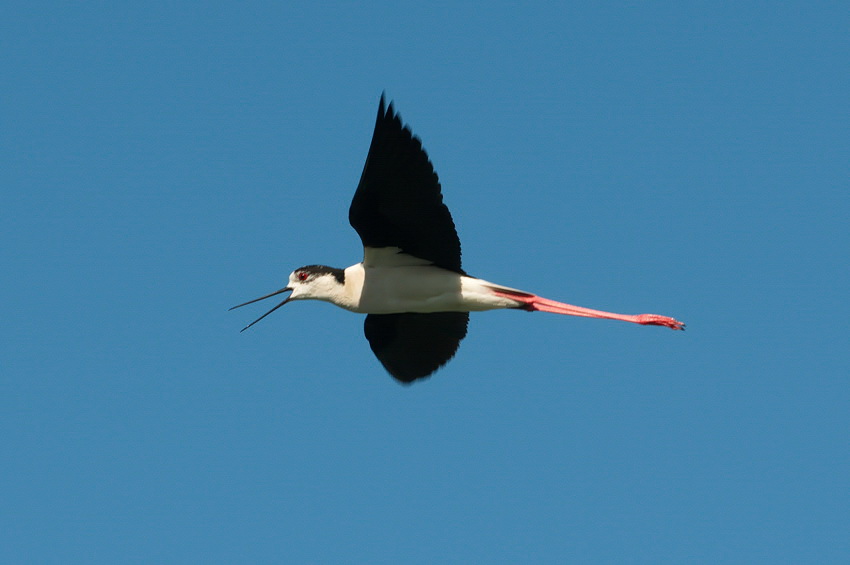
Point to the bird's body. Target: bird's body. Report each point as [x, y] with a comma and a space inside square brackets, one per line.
[410, 283]
[399, 288]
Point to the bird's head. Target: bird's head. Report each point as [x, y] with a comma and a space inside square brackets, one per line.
[316, 282]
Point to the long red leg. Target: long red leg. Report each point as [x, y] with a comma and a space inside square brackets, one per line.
[537, 303]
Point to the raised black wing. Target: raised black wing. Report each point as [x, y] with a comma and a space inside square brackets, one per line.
[412, 346]
[398, 201]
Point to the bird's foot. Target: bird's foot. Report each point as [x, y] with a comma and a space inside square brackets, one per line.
[656, 320]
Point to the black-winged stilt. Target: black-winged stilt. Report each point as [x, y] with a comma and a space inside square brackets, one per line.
[410, 282]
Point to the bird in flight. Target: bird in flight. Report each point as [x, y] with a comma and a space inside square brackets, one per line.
[410, 284]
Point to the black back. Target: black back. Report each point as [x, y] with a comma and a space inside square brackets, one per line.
[398, 202]
[412, 346]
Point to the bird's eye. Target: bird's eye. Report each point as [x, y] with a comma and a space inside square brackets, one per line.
[302, 276]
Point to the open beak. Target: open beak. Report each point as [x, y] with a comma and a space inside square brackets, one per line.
[275, 293]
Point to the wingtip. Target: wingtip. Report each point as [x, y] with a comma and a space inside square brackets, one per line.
[386, 110]
[382, 106]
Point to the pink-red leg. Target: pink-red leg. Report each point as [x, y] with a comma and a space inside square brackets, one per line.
[540, 304]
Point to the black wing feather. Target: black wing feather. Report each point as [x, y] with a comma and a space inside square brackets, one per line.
[412, 346]
[398, 202]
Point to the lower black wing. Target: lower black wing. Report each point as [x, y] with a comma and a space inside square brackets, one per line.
[411, 346]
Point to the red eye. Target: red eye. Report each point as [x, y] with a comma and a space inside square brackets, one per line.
[302, 276]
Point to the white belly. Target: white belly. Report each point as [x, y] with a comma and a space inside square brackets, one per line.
[397, 289]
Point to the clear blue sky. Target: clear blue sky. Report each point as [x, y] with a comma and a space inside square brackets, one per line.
[159, 164]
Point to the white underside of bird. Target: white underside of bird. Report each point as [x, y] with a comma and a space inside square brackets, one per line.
[390, 282]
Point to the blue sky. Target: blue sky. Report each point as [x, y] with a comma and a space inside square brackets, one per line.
[162, 163]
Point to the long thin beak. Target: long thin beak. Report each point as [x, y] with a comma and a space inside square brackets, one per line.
[275, 293]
